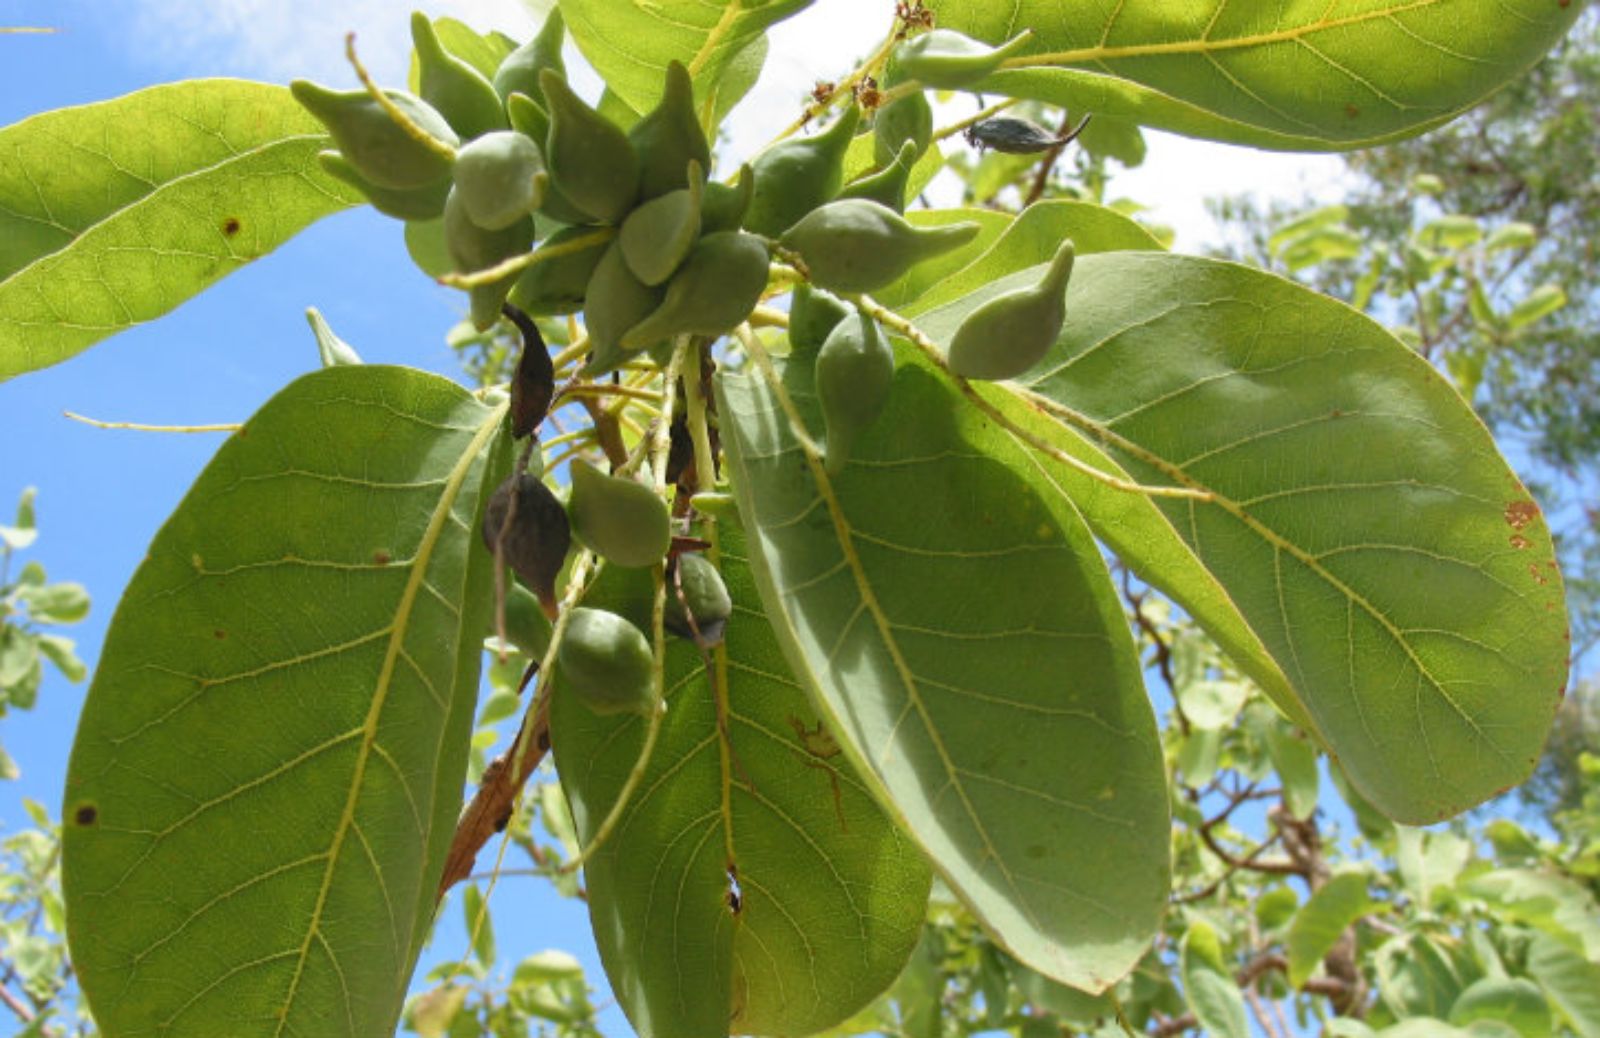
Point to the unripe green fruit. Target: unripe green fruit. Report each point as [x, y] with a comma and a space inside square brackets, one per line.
[527, 626]
[669, 138]
[536, 542]
[1012, 332]
[591, 161]
[496, 178]
[722, 206]
[418, 203]
[607, 663]
[854, 373]
[619, 518]
[854, 245]
[557, 286]
[475, 248]
[707, 598]
[717, 287]
[372, 142]
[906, 119]
[533, 122]
[948, 60]
[813, 313]
[614, 301]
[519, 72]
[658, 235]
[460, 92]
[887, 186]
[796, 176]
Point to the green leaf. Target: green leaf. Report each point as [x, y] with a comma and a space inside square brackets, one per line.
[1295, 761]
[1536, 306]
[479, 924]
[1317, 926]
[1514, 235]
[1452, 231]
[1315, 220]
[1074, 1007]
[269, 765]
[1559, 906]
[1363, 525]
[1416, 978]
[1513, 1001]
[738, 78]
[1209, 989]
[1212, 704]
[22, 533]
[1571, 982]
[631, 44]
[62, 652]
[1429, 861]
[111, 214]
[65, 603]
[1009, 732]
[1307, 77]
[831, 896]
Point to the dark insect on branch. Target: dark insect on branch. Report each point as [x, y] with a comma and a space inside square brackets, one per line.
[1015, 136]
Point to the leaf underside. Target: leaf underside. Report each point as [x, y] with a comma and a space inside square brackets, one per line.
[270, 762]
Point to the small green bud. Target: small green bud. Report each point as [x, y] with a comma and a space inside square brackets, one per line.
[591, 161]
[706, 596]
[377, 146]
[948, 60]
[498, 178]
[617, 517]
[1012, 332]
[854, 245]
[794, 177]
[519, 72]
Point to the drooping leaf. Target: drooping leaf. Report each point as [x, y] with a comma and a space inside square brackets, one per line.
[1571, 981]
[830, 894]
[977, 668]
[1509, 1000]
[111, 214]
[1317, 926]
[1210, 990]
[1387, 561]
[269, 766]
[1416, 978]
[1303, 76]
[631, 44]
[1429, 861]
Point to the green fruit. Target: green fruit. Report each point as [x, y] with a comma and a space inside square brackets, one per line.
[814, 313]
[418, 203]
[527, 626]
[460, 92]
[948, 60]
[498, 179]
[519, 72]
[557, 286]
[1012, 332]
[722, 207]
[906, 119]
[887, 186]
[718, 286]
[854, 245]
[377, 146]
[669, 138]
[607, 663]
[614, 301]
[591, 161]
[475, 248]
[706, 596]
[535, 543]
[619, 518]
[854, 372]
[533, 122]
[658, 235]
[796, 176]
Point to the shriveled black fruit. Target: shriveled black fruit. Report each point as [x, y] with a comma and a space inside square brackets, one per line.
[534, 384]
[813, 313]
[557, 286]
[1016, 136]
[619, 518]
[607, 663]
[535, 543]
[706, 596]
[669, 137]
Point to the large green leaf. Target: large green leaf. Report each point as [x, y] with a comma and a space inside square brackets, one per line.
[1317, 926]
[831, 894]
[630, 44]
[114, 213]
[959, 631]
[270, 763]
[1301, 75]
[1363, 525]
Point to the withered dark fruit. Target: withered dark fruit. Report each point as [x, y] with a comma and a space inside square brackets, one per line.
[535, 541]
[534, 384]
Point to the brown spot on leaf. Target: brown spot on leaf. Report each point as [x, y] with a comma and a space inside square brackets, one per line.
[1520, 513]
[1539, 578]
[219, 634]
[86, 814]
[1519, 542]
[1351, 111]
[231, 226]
[381, 557]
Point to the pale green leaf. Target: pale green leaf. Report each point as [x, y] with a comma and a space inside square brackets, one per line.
[1213, 703]
[62, 652]
[1317, 926]
[1306, 75]
[1009, 732]
[1362, 524]
[630, 44]
[1537, 305]
[1554, 903]
[1416, 978]
[1513, 235]
[1209, 989]
[1295, 761]
[269, 766]
[1428, 861]
[1512, 1001]
[1571, 982]
[478, 924]
[1315, 220]
[831, 896]
[111, 214]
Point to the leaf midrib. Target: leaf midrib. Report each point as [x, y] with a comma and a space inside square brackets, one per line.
[369, 731]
